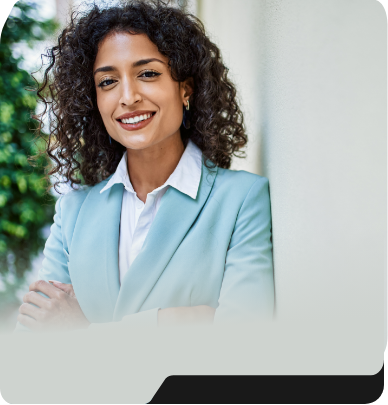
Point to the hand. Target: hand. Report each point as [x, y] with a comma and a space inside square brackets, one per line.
[200, 314]
[61, 311]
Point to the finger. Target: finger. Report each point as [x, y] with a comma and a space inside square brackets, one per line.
[67, 288]
[33, 297]
[44, 287]
[28, 322]
[30, 310]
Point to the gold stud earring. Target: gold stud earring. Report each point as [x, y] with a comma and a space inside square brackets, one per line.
[186, 116]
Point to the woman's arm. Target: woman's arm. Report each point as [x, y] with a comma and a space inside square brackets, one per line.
[55, 306]
[40, 311]
[61, 311]
[54, 265]
[58, 310]
[247, 291]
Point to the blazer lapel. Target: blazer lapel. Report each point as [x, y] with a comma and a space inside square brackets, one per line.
[94, 266]
[176, 214]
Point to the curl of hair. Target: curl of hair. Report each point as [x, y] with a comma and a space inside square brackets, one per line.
[78, 142]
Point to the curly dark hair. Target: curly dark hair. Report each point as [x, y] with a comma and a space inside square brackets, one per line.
[78, 143]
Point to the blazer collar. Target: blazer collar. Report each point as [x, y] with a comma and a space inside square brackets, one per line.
[94, 249]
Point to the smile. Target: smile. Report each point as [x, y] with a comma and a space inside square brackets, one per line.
[132, 124]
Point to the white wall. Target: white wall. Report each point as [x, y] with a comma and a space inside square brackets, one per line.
[323, 115]
[233, 26]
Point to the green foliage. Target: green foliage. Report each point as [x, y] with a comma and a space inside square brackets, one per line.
[25, 207]
[10, 286]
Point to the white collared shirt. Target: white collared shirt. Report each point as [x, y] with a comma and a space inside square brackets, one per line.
[136, 216]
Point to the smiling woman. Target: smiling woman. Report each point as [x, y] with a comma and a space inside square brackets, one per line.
[141, 75]
[160, 232]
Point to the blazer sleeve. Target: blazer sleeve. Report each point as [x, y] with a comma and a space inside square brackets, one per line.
[55, 267]
[247, 290]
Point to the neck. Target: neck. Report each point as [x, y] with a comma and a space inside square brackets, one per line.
[150, 168]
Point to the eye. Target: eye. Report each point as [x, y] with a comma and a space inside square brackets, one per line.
[107, 83]
[152, 73]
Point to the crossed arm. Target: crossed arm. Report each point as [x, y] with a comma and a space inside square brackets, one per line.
[61, 310]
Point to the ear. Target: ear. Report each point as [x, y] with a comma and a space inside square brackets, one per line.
[187, 89]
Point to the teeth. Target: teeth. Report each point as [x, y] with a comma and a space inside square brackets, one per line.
[135, 119]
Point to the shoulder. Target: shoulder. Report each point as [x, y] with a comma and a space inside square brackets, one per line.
[68, 208]
[240, 181]
[248, 193]
[73, 199]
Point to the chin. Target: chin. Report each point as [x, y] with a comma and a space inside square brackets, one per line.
[138, 142]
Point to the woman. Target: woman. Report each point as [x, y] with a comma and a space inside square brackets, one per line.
[161, 232]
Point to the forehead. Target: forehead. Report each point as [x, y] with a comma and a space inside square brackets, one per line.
[124, 47]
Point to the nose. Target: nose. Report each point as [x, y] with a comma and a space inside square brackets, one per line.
[129, 92]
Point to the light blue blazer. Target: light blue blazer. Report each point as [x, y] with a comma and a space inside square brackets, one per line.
[214, 250]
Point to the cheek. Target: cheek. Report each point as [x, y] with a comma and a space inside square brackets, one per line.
[176, 114]
[104, 105]
[172, 113]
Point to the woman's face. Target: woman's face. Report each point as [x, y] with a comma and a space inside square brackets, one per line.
[133, 81]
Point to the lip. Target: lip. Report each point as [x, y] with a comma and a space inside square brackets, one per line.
[138, 125]
[134, 114]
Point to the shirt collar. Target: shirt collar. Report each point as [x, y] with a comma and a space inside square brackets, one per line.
[185, 178]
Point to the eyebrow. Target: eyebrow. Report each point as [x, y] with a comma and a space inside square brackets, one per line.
[140, 62]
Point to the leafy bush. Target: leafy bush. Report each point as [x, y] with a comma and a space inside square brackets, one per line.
[25, 206]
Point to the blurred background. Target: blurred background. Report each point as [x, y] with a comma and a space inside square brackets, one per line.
[26, 211]
[312, 82]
